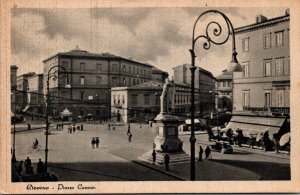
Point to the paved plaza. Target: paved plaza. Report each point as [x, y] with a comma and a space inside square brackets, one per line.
[71, 156]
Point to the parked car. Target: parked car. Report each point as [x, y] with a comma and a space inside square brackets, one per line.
[223, 147]
[17, 118]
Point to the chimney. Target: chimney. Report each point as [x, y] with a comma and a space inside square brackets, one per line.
[261, 18]
[287, 12]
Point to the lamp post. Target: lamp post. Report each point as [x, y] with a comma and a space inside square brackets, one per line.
[209, 38]
[13, 159]
[57, 73]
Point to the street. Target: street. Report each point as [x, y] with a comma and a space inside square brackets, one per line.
[71, 156]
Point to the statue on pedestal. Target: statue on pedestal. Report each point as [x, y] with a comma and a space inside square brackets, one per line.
[167, 97]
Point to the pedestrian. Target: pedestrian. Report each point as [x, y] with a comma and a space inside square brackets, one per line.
[167, 161]
[200, 153]
[81, 127]
[108, 126]
[129, 137]
[70, 129]
[27, 165]
[128, 130]
[97, 142]
[20, 167]
[74, 128]
[31, 172]
[28, 126]
[93, 142]
[207, 152]
[57, 125]
[153, 157]
[40, 167]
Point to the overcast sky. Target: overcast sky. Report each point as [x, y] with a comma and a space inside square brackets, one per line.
[158, 36]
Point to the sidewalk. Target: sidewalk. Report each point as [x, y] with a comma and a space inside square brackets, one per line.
[206, 170]
[243, 148]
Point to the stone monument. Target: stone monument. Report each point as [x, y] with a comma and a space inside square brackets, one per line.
[166, 140]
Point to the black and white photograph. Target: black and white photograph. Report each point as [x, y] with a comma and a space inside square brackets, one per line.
[128, 94]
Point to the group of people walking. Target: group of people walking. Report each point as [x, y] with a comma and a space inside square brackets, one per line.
[29, 168]
[207, 153]
[72, 128]
[95, 142]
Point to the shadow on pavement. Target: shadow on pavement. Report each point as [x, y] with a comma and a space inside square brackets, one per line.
[267, 170]
[106, 171]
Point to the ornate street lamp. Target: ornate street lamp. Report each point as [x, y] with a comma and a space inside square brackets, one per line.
[25, 82]
[54, 73]
[209, 38]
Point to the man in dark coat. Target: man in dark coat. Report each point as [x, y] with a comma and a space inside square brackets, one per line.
[167, 161]
[93, 143]
[207, 152]
[27, 165]
[200, 153]
[40, 167]
[153, 157]
[129, 137]
[97, 142]
[128, 130]
[74, 128]
[20, 167]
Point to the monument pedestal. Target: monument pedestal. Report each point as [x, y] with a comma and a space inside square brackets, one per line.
[167, 141]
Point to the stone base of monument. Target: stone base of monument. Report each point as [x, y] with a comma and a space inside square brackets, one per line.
[175, 157]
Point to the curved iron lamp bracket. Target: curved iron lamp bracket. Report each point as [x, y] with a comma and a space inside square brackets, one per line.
[217, 31]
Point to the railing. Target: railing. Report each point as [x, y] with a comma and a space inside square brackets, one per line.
[274, 110]
[280, 110]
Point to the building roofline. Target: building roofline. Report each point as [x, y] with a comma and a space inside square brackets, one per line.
[201, 69]
[263, 24]
[97, 56]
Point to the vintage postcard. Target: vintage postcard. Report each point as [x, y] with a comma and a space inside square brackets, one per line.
[149, 96]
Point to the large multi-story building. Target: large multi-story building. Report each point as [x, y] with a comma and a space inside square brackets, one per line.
[224, 90]
[204, 82]
[35, 94]
[91, 76]
[13, 84]
[264, 52]
[159, 75]
[142, 102]
[22, 95]
[262, 89]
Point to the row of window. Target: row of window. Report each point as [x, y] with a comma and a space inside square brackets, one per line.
[267, 41]
[99, 67]
[118, 100]
[115, 81]
[224, 84]
[134, 99]
[279, 98]
[268, 68]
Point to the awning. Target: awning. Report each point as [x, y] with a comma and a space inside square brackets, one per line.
[189, 121]
[251, 125]
[196, 121]
[66, 112]
[26, 108]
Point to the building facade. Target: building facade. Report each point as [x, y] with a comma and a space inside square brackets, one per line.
[91, 76]
[22, 95]
[204, 82]
[264, 52]
[142, 102]
[159, 75]
[35, 94]
[13, 85]
[224, 91]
